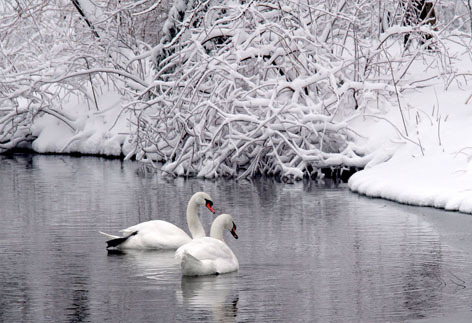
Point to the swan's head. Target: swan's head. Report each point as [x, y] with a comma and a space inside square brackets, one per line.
[229, 224]
[221, 223]
[202, 198]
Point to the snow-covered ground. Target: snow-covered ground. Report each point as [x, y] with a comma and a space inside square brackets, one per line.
[98, 132]
[434, 167]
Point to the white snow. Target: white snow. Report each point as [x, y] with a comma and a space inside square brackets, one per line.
[435, 168]
[98, 132]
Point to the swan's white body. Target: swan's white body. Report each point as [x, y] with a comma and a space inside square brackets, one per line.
[209, 255]
[158, 234]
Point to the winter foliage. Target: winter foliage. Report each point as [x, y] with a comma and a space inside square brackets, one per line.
[223, 88]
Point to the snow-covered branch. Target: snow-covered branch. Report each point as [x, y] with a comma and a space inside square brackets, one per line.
[222, 88]
[267, 87]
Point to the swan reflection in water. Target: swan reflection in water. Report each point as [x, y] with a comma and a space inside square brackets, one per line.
[217, 294]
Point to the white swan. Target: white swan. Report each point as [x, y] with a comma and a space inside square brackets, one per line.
[158, 234]
[209, 255]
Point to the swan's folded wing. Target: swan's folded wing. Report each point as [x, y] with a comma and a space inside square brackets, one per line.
[206, 249]
[143, 226]
[158, 227]
[128, 231]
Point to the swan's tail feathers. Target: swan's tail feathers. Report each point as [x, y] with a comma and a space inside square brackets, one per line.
[115, 242]
[190, 265]
[109, 236]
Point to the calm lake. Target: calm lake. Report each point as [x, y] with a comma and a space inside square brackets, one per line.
[307, 252]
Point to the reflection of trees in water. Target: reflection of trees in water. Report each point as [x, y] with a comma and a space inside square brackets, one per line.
[422, 282]
[43, 277]
[15, 295]
[42, 291]
[398, 264]
[79, 309]
[68, 281]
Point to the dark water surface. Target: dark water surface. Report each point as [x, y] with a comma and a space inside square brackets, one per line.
[306, 253]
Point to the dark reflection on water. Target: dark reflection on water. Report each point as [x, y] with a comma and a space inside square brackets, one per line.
[307, 254]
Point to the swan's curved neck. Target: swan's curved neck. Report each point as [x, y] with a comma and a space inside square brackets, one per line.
[193, 221]
[217, 229]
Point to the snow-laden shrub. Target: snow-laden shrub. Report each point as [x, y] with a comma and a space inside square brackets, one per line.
[267, 87]
[220, 88]
[41, 48]
[52, 54]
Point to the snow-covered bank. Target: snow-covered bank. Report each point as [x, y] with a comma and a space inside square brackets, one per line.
[91, 131]
[435, 167]
[437, 180]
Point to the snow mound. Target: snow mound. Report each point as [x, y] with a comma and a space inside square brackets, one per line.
[438, 180]
[433, 168]
[91, 131]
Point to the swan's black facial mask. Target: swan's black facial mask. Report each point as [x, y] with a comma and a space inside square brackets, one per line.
[233, 231]
[209, 205]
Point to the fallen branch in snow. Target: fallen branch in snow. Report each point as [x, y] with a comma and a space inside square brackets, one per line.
[396, 129]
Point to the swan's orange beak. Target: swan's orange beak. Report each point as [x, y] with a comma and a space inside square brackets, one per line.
[209, 206]
[233, 231]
